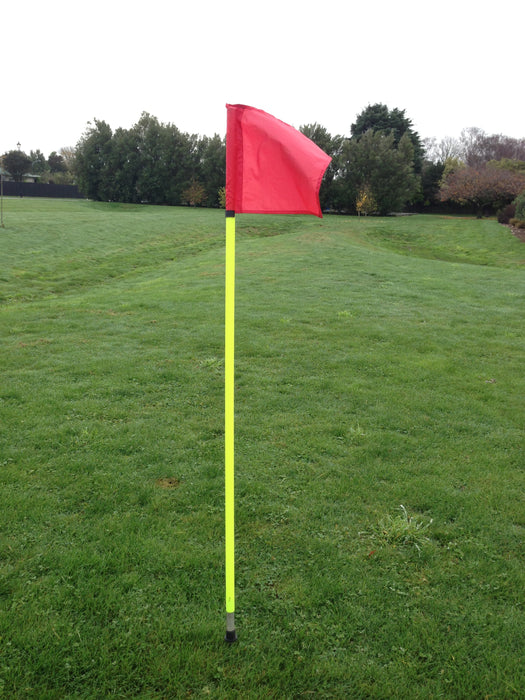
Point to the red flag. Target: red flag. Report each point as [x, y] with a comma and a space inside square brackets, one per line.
[271, 168]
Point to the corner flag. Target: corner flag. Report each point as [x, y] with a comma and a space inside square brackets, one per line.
[271, 168]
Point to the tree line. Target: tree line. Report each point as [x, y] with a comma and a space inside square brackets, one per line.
[150, 162]
[382, 166]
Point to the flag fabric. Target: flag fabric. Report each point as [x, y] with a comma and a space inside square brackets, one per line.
[271, 168]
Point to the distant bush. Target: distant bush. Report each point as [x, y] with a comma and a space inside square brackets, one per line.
[506, 214]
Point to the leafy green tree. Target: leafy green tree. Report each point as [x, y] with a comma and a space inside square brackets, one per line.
[122, 168]
[38, 162]
[332, 145]
[154, 169]
[93, 154]
[17, 164]
[451, 165]
[168, 160]
[379, 118]
[56, 163]
[431, 175]
[375, 162]
[212, 167]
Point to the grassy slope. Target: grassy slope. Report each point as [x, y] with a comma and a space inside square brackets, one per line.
[374, 368]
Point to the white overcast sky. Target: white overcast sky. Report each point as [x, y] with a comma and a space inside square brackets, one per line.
[450, 64]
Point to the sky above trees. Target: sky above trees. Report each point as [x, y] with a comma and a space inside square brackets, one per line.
[450, 65]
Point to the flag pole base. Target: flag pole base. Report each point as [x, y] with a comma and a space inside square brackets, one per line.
[231, 634]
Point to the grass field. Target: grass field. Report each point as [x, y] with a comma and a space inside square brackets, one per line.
[379, 456]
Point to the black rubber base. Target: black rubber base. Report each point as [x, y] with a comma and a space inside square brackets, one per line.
[231, 636]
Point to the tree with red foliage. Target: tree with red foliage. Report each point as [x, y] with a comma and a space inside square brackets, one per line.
[483, 187]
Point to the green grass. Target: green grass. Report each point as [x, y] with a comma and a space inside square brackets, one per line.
[379, 362]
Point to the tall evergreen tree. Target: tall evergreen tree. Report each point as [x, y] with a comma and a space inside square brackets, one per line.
[379, 117]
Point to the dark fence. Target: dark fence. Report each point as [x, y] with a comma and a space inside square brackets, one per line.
[36, 189]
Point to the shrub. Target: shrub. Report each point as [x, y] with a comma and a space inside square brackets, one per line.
[517, 223]
[506, 214]
[520, 206]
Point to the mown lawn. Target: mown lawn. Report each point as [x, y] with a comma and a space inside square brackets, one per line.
[379, 364]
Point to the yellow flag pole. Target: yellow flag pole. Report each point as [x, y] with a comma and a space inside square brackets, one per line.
[229, 473]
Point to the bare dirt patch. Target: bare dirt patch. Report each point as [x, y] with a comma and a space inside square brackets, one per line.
[168, 482]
